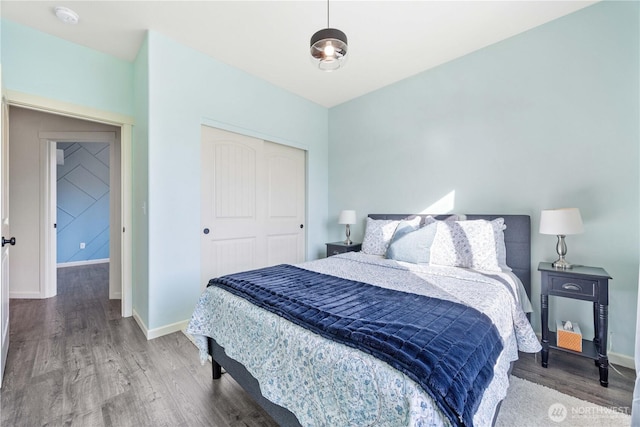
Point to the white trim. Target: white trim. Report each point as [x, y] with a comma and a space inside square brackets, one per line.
[140, 323]
[252, 133]
[48, 105]
[25, 295]
[115, 221]
[77, 263]
[48, 198]
[48, 236]
[167, 329]
[159, 332]
[126, 216]
[105, 137]
[125, 123]
[622, 360]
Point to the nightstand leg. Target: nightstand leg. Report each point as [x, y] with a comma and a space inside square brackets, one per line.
[603, 367]
[596, 329]
[603, 360]
[544, 305]
[596, 325]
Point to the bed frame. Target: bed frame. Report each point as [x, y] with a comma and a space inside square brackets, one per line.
[517, 237]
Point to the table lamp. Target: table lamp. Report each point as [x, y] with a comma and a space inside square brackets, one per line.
[561, 222]
[347, 218]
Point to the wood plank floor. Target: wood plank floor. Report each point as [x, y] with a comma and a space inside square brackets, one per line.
[74, 361]
[579, 377]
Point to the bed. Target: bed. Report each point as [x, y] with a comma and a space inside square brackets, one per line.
[307, 366]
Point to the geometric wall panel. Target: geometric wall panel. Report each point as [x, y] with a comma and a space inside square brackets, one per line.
[83, 202]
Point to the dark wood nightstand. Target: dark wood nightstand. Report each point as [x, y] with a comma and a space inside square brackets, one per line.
[335, 248]
[583, 283]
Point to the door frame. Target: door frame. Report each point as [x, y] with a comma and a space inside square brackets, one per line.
[125, 123]
[48, 198]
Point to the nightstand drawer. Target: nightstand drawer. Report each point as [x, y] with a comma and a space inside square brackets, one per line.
[336, 248]
[573, 287]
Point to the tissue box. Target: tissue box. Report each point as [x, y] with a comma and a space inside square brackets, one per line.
[569, 339]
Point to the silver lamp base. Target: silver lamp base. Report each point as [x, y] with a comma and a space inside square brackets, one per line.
[561, 264]
[561, 249]
[348, 232]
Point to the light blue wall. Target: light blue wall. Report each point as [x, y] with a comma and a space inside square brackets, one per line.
[171, 91]
[40, 64]
[140, 178]
[188, 89]
[546, 119]
[83, 202]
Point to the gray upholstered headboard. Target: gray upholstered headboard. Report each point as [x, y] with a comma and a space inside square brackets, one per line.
[517, 239]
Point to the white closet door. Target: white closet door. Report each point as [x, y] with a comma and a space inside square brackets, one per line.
[285, 168]
[252, 207]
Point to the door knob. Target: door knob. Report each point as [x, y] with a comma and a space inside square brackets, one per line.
[11, 241]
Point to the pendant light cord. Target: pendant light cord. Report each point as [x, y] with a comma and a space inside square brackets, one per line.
[328, 14]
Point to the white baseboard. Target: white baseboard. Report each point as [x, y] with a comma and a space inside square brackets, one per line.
[140, 323]
[622, 360]
[78, 263]
[25, 295]
[161, 331]
[166, 330]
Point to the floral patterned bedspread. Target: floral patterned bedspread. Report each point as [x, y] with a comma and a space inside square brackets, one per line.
[326, 383]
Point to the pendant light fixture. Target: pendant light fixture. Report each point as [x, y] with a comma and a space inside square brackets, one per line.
[329, 47]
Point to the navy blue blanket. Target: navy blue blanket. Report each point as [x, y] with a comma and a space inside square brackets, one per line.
[448, 348]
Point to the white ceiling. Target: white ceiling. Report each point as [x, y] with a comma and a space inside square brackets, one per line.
[388, 40]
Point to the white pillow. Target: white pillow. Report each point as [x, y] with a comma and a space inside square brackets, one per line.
[411, 244]
[501, 248]
[468, 244]
[378, 234]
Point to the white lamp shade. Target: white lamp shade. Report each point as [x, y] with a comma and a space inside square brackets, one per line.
[561, 222]
[347, 217]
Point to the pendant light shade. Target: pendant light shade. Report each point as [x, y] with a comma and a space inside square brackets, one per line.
[329, 47]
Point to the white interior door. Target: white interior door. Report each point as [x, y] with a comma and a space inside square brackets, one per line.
[6, 233]
[231, 210]
[252, 203]
[285, 169]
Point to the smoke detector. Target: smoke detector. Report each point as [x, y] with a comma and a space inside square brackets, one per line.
[66, 15]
